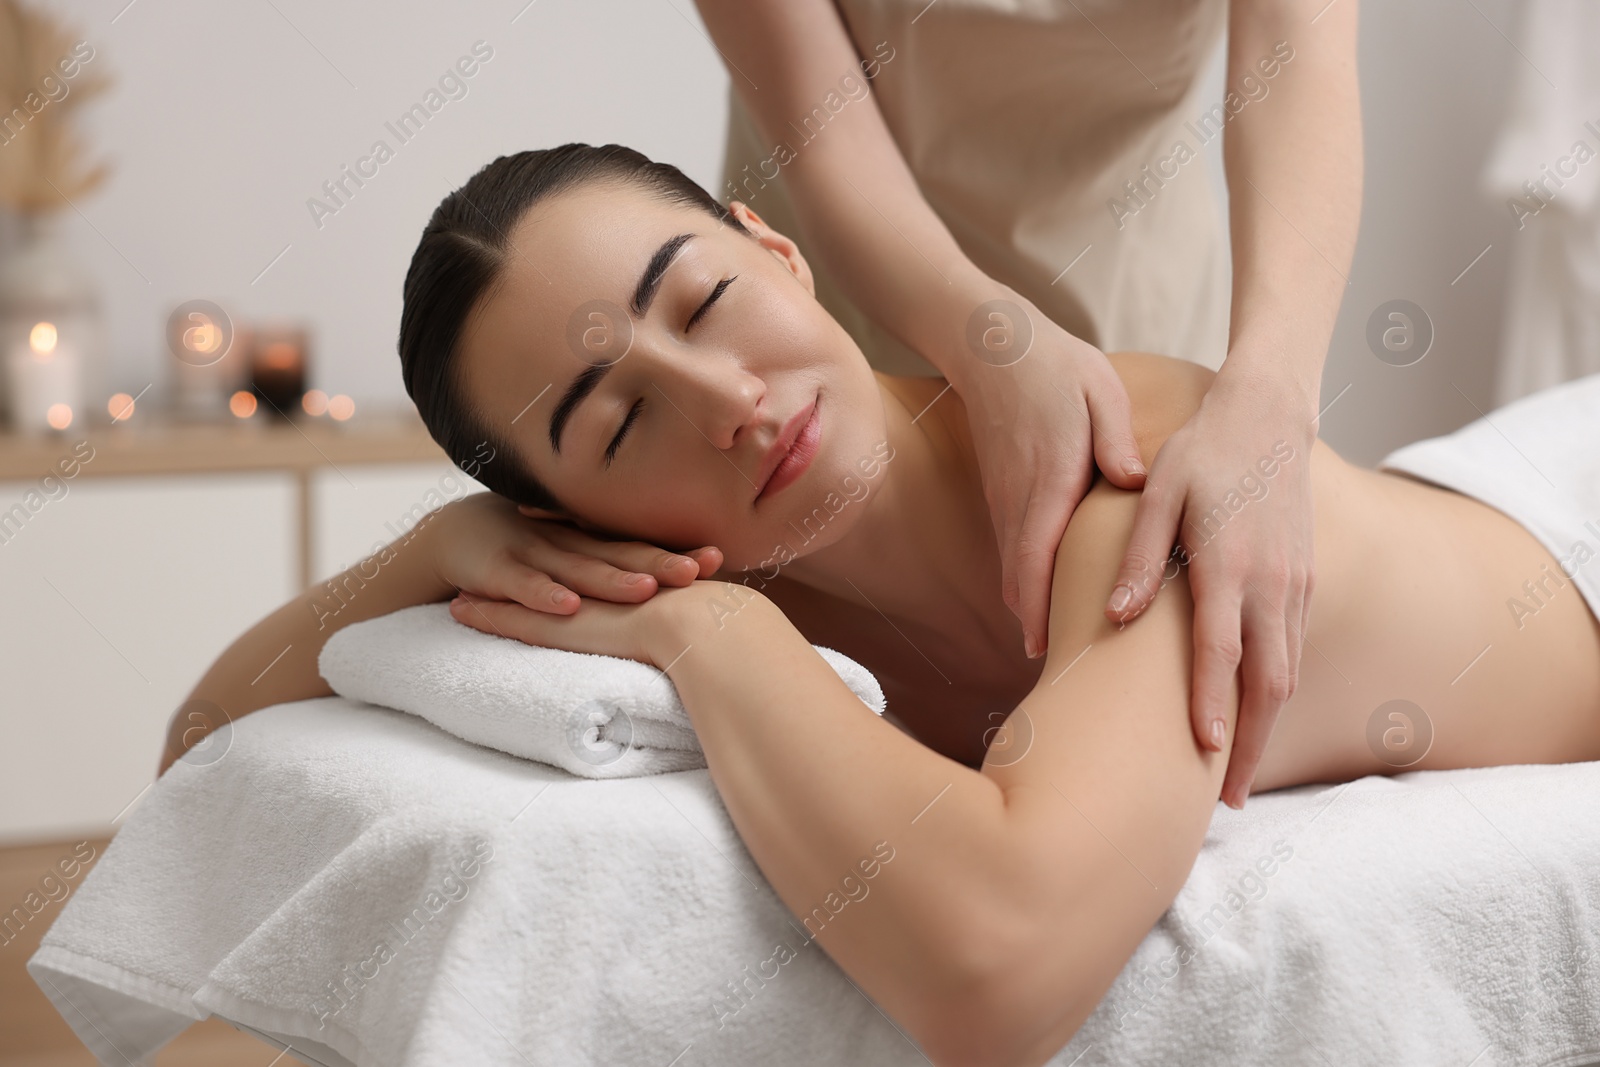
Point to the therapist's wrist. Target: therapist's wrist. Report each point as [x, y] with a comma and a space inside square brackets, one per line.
[1272, 380]
[945, 324]
[1282, 356]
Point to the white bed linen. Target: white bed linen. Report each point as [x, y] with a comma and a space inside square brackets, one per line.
[1438, 918]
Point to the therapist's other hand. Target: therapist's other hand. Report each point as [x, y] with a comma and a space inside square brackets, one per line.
[1040, 426]
[486, 545]
[1237, 477]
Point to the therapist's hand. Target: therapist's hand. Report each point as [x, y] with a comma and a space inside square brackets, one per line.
[1237, 477]
[1040, 426]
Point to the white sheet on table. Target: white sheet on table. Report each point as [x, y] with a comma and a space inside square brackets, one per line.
[1443, 917]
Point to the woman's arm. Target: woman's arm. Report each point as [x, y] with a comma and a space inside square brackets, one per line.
[985, 911]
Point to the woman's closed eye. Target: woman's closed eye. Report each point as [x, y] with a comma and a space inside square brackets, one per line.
[716, 293]
[622, 431]
[638, 405]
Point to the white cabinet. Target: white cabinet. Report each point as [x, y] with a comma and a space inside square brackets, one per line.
[118, 595]
[359, 509]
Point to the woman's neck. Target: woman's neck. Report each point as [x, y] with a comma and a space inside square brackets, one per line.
[922, 539]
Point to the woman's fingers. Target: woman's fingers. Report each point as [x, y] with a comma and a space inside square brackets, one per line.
[498, 617]
[535, 589]
[569, 554]
[710, 558]
[586, 575]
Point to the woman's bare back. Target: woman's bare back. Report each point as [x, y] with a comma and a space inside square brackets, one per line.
[1412, 658]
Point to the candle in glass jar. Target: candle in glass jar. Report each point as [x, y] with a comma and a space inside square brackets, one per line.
[278, 368]
[46, 379]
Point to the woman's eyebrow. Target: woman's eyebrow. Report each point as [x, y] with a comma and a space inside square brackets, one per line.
[580, 387]
[644, 294]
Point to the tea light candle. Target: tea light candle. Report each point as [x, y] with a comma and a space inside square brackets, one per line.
[315, 403]
[46, 381]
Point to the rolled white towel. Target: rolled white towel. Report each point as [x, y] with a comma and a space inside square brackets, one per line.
[594, 716]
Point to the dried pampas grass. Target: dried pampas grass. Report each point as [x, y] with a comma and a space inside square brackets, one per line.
[41, 161]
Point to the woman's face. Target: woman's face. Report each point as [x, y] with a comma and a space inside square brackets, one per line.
[651, 410]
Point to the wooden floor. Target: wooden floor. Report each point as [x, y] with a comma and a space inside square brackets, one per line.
[33, 1033]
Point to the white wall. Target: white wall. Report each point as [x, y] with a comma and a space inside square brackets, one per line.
[227, 118]
[1434, 76]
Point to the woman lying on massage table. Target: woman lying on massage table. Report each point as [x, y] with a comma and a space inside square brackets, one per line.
[1043, 813]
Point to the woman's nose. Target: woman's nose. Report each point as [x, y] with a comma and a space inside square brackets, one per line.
[717, 395]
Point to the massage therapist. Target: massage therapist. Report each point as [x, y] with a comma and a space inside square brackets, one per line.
[1021, 191]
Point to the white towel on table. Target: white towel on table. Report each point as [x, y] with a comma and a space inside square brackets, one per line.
[1537, 460]
[1436, 918]
[595, 716]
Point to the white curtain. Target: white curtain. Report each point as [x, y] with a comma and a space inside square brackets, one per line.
[1544, 167]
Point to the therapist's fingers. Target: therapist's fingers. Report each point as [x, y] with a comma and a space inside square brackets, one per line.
[1305, 616]
[1038, 537]
[1294, 634]
[1116, 450]
[1266, 679]
[1155, 530]
[1217, 652]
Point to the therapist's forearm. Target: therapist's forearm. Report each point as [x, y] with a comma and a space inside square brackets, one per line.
[862, 211]
[1294, 166]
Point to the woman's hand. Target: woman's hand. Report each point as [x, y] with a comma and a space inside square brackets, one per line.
[486, 545]
[1237, 476]
[647, 631]
[1036, 457]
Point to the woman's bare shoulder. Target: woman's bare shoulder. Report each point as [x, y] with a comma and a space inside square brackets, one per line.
[1163, 393]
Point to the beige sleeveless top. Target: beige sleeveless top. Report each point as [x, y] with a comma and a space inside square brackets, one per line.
[1024, 121]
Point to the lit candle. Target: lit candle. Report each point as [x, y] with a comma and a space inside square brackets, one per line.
[206, 366]
[46, 381]
[278, 369]
[120, 408]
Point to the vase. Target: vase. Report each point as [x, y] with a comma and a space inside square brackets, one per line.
[52, 340]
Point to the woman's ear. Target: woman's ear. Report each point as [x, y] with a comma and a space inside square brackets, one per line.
[787, 252]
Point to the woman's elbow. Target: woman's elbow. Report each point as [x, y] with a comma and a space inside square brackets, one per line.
[1012, 996]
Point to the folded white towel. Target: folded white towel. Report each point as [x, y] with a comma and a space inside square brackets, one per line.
[595, 716]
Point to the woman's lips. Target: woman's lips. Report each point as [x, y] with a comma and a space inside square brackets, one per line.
[799, 456]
